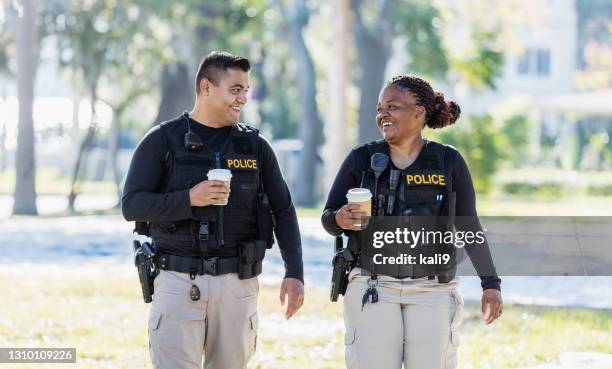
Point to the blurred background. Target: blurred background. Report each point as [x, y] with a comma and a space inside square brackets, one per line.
[82, 81]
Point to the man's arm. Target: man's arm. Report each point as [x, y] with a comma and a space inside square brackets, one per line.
[141, 199]
[286, 229]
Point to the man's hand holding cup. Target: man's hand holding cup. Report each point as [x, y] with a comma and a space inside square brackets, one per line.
[214, 191]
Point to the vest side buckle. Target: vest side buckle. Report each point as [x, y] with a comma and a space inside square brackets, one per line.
[204, 230]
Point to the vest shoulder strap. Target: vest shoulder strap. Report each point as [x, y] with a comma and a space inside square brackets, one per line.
[247, 129]
[169, 152]
[379, 146]
[447, 154]
[442, 152]
[365, 151]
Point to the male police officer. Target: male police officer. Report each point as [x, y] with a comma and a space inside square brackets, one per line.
[210, 243]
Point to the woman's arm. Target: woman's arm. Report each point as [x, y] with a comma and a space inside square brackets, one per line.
[349, 176]
[467, 220]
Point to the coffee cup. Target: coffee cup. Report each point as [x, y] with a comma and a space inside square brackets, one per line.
[224, 175]
[361, 197]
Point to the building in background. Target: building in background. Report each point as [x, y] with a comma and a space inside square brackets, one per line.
[543, 64]
[572, 126]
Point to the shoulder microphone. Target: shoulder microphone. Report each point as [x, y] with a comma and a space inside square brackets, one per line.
[192, 141]
[378, 163]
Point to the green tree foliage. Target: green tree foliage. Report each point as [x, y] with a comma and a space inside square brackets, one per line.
[594, 22]
[414, 21]
[421, 25]
[594, 44]
[97, 38]
[481, 143]
[515, 137]
[480, 69]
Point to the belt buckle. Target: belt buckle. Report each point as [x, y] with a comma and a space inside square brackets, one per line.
[211, 266]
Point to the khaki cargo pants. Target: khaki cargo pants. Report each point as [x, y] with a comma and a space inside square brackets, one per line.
[414, 322]
[221, 326]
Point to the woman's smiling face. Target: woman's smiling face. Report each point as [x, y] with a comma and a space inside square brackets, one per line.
[398, 115]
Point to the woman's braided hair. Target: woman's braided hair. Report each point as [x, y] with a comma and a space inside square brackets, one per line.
[439, 112]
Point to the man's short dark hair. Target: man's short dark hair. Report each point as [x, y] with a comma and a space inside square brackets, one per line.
[217, 62]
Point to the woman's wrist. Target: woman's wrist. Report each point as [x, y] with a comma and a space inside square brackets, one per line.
[490, 282]
[329, 222]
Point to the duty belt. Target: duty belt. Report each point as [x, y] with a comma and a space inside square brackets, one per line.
[366, 266]
[429, 277]
[201, 266]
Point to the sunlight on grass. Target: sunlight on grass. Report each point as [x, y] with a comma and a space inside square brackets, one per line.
[101, 313]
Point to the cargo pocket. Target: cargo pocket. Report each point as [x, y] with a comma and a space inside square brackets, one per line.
[155, 318]
[457, 318]
[350, 350]
[254, 325]
[349, 337]
[453, 344]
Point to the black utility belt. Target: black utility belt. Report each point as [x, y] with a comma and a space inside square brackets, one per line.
[200, 266]
[366, 267]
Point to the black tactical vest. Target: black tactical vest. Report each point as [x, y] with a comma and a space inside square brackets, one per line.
[424, 190]
[240, 154]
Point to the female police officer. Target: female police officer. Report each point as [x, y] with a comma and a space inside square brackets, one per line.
[407, 317]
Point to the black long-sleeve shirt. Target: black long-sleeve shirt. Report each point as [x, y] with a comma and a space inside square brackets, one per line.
[142, 200]
[349, 176]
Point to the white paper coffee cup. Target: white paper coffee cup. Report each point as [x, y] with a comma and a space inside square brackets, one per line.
[362, 197]
[224, 175]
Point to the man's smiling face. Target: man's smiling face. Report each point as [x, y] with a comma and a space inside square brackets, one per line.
[229, 96]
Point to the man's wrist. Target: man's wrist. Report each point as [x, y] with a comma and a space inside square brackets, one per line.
[298, 276]
[190, 196]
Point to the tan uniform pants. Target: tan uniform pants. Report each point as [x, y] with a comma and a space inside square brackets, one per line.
[414, 322]
[222, 325]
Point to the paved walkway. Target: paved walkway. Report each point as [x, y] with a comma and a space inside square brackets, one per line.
[579, 360]
[108, 239]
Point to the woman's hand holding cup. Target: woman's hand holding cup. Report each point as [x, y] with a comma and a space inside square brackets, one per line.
[351, 217]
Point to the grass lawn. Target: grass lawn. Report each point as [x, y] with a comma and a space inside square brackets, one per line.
[50, 181]
[99, 311]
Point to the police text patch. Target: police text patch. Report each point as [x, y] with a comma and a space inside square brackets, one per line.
[249, 164]
[425, 179]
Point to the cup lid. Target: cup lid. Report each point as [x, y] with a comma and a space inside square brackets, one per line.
[220, 174]
[358, 194]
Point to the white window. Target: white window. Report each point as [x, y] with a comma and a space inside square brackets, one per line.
[534, 62]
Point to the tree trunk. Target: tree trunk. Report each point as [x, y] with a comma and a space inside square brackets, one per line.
[27, 60]
[261, 88]
[310, 126]
[177, 92]
[338, 142]
[373, 51]
[114, 135]
[84, 148]
[3, 151]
